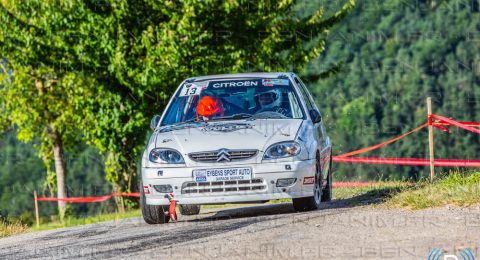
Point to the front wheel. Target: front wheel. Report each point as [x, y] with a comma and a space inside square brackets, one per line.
[153, 214]
[311, 203]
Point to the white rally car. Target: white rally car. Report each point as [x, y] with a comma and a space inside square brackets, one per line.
[236, 138]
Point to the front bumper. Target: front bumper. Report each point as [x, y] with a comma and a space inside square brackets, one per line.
[264, 174]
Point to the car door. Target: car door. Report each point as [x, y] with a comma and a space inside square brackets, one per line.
[319, 129]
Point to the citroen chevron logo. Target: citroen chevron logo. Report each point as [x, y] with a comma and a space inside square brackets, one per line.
[223, 155]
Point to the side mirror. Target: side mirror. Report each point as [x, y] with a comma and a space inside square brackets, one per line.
[315, 116]
[154, 122]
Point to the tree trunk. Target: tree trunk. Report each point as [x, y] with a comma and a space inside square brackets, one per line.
[61, 172]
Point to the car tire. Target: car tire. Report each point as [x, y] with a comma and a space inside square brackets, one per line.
[188, 210]
[314, 202]
[327, 192]
[153, 214]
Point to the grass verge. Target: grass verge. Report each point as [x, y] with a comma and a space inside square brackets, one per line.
[375, 187]
[8, 229]
[76, 221]
[454, 188]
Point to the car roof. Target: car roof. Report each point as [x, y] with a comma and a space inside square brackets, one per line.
[242, 75]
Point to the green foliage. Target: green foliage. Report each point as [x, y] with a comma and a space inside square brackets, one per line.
[22, 172]
[42, 103]
[392, 55]
[137, 52]
[359, 109]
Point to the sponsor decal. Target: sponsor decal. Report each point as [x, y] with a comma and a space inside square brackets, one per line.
[201, 179]
[200, 173]
[226, 127]
[228, 84]
[222, 174]
[267, 83]
[146, 190]
[308, 180]
[273, 82]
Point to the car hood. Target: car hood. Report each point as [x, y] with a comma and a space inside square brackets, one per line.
[238, 134]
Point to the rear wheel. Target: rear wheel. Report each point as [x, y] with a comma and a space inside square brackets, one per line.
[311, 203]
[153, 214]
[327, 192]
[189, 209]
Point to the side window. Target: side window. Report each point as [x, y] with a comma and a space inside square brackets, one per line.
[310, 104]
[294, 106]
[305, 95]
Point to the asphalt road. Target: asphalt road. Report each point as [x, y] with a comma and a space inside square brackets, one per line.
[341, 230]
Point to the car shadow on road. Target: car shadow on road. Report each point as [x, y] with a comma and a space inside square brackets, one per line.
[371, 197]
[206, 224]
[375, 196]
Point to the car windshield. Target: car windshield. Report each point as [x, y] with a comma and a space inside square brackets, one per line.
[228, 99]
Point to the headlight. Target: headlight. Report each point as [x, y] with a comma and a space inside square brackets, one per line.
[159, 155]
[282, 150]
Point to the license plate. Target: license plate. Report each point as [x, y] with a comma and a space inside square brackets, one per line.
[223, 174]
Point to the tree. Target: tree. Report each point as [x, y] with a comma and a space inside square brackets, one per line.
[44, 105]
[139, 51]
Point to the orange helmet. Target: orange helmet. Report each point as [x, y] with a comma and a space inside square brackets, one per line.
[209, 106]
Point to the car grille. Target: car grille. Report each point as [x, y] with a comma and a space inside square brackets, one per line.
[222, 155]
[223, 186]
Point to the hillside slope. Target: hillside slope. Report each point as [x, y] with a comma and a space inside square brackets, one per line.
[392, 56]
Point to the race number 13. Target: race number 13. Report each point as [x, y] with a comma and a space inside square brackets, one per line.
[190, 90]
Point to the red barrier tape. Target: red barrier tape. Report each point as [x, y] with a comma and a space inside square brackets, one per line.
[90, 199]
[373, 147]
[475, 124]
[455, 123]
[355, 184]
[351, 184]
[409, 161]
[439, 123]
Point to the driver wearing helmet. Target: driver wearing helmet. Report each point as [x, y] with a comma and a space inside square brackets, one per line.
[208, 107]
[270, 101]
